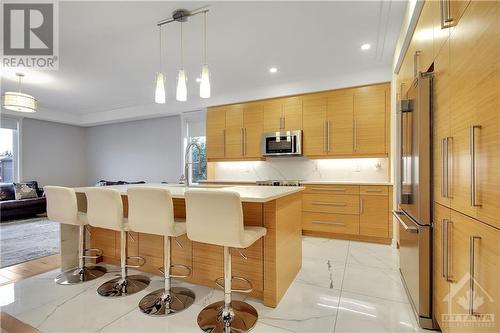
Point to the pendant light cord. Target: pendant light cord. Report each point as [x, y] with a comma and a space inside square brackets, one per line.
[182, 51]
[161, 62]
[205, 37]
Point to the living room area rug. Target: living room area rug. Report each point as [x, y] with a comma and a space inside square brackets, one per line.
[29, 239]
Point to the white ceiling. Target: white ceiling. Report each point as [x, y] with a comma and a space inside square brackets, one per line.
[109, 54]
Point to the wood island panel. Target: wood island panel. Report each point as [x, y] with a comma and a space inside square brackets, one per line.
[271, 265]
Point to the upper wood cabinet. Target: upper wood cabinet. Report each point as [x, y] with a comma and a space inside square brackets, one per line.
[371, 119]
[253, 123]
[283, 114]
[234, 132]
[216, 125]
[345, 122]
[314, 125]
[474, 93]
[340, 116]
[424, 39]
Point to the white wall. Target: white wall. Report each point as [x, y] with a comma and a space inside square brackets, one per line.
[148, 150]
[52, 153]
[342, 169]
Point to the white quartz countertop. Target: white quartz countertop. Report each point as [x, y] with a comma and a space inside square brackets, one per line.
[304, 182]
[247, 193]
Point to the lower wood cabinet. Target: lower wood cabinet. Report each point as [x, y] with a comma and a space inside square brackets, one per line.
[359, 212]
[466, 285]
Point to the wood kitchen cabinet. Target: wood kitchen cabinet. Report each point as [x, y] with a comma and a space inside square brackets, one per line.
[358, 212]
[314, 125]
[340, 116]
[216, 125]
[424, 41]
[475, 121]
[253, 121]
[371, 120]
[283, 114]
[441, 131]
[234, 132]
[374, 211]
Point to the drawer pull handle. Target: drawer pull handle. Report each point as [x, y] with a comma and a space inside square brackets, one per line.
[328, 222]
[328, 189]
[374, 190]
[324, 203]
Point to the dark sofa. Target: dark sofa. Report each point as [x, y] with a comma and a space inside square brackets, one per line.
[12, 209]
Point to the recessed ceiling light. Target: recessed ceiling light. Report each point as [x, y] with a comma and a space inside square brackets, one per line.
[198, 79]
[273, 70]
[365, 47]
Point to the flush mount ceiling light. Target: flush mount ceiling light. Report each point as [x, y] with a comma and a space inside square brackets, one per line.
[181, 16]
[365, 47]
[273, 70]
[17, 101]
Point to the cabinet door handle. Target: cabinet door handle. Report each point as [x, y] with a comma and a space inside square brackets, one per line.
[328, 222]
[325, 203]
[444, 253]
[446, 249]
[324, 136]
[416, 67]
[328, 135]
[447, 20]
[242, 142]
[355, 134]
[443, 168]
[284, 123]
[473, 168]
[361, 206]
[472, 255]
[224, 142]
[328, 189]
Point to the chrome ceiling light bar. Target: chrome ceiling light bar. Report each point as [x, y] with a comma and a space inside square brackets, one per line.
[181, 16]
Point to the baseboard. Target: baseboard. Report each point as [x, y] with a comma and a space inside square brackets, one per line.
[360, 238]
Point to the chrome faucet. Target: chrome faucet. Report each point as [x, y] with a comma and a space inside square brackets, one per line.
[187, 163]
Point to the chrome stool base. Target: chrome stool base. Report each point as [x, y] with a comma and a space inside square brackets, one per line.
[158, 303]
[243, 318]
[119, 287]
[80, 275]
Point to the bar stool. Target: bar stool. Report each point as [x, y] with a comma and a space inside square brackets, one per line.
[105, 210]
[216, 217]
[151, 211]
[62, 207]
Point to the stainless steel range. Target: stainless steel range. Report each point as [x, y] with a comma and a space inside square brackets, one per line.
[278, 182]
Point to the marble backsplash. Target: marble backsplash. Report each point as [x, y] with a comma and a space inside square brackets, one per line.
[348, 169]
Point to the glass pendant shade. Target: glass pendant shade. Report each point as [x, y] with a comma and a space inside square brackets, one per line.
[205, 82]
[16, 101]
[181, 94]
[160, 88]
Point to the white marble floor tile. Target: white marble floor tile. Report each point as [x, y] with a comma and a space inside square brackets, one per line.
[359, 313]
[304, 308]
[377, 282]
[373, 255]
[323, 248]
[324, 273]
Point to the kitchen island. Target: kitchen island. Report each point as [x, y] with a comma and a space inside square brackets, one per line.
[270, 264]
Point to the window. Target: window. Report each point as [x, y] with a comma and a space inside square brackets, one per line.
[8, 150]
[194, 131]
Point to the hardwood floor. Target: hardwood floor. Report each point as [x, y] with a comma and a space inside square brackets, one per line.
[26, 269]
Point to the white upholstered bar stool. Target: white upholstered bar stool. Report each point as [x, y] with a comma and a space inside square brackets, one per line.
[105, 210]
[151, 211]
[62, 207]
[216, 217]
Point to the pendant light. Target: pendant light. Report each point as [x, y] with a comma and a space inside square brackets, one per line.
[160, 78]
[17, 101]
[205, 74]
[181, 94]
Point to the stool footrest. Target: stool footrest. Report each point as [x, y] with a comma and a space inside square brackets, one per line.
[162, 269]
[240, 278]
[96, 256]
[142, 259]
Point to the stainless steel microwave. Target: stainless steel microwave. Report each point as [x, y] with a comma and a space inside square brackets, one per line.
[286, 143]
